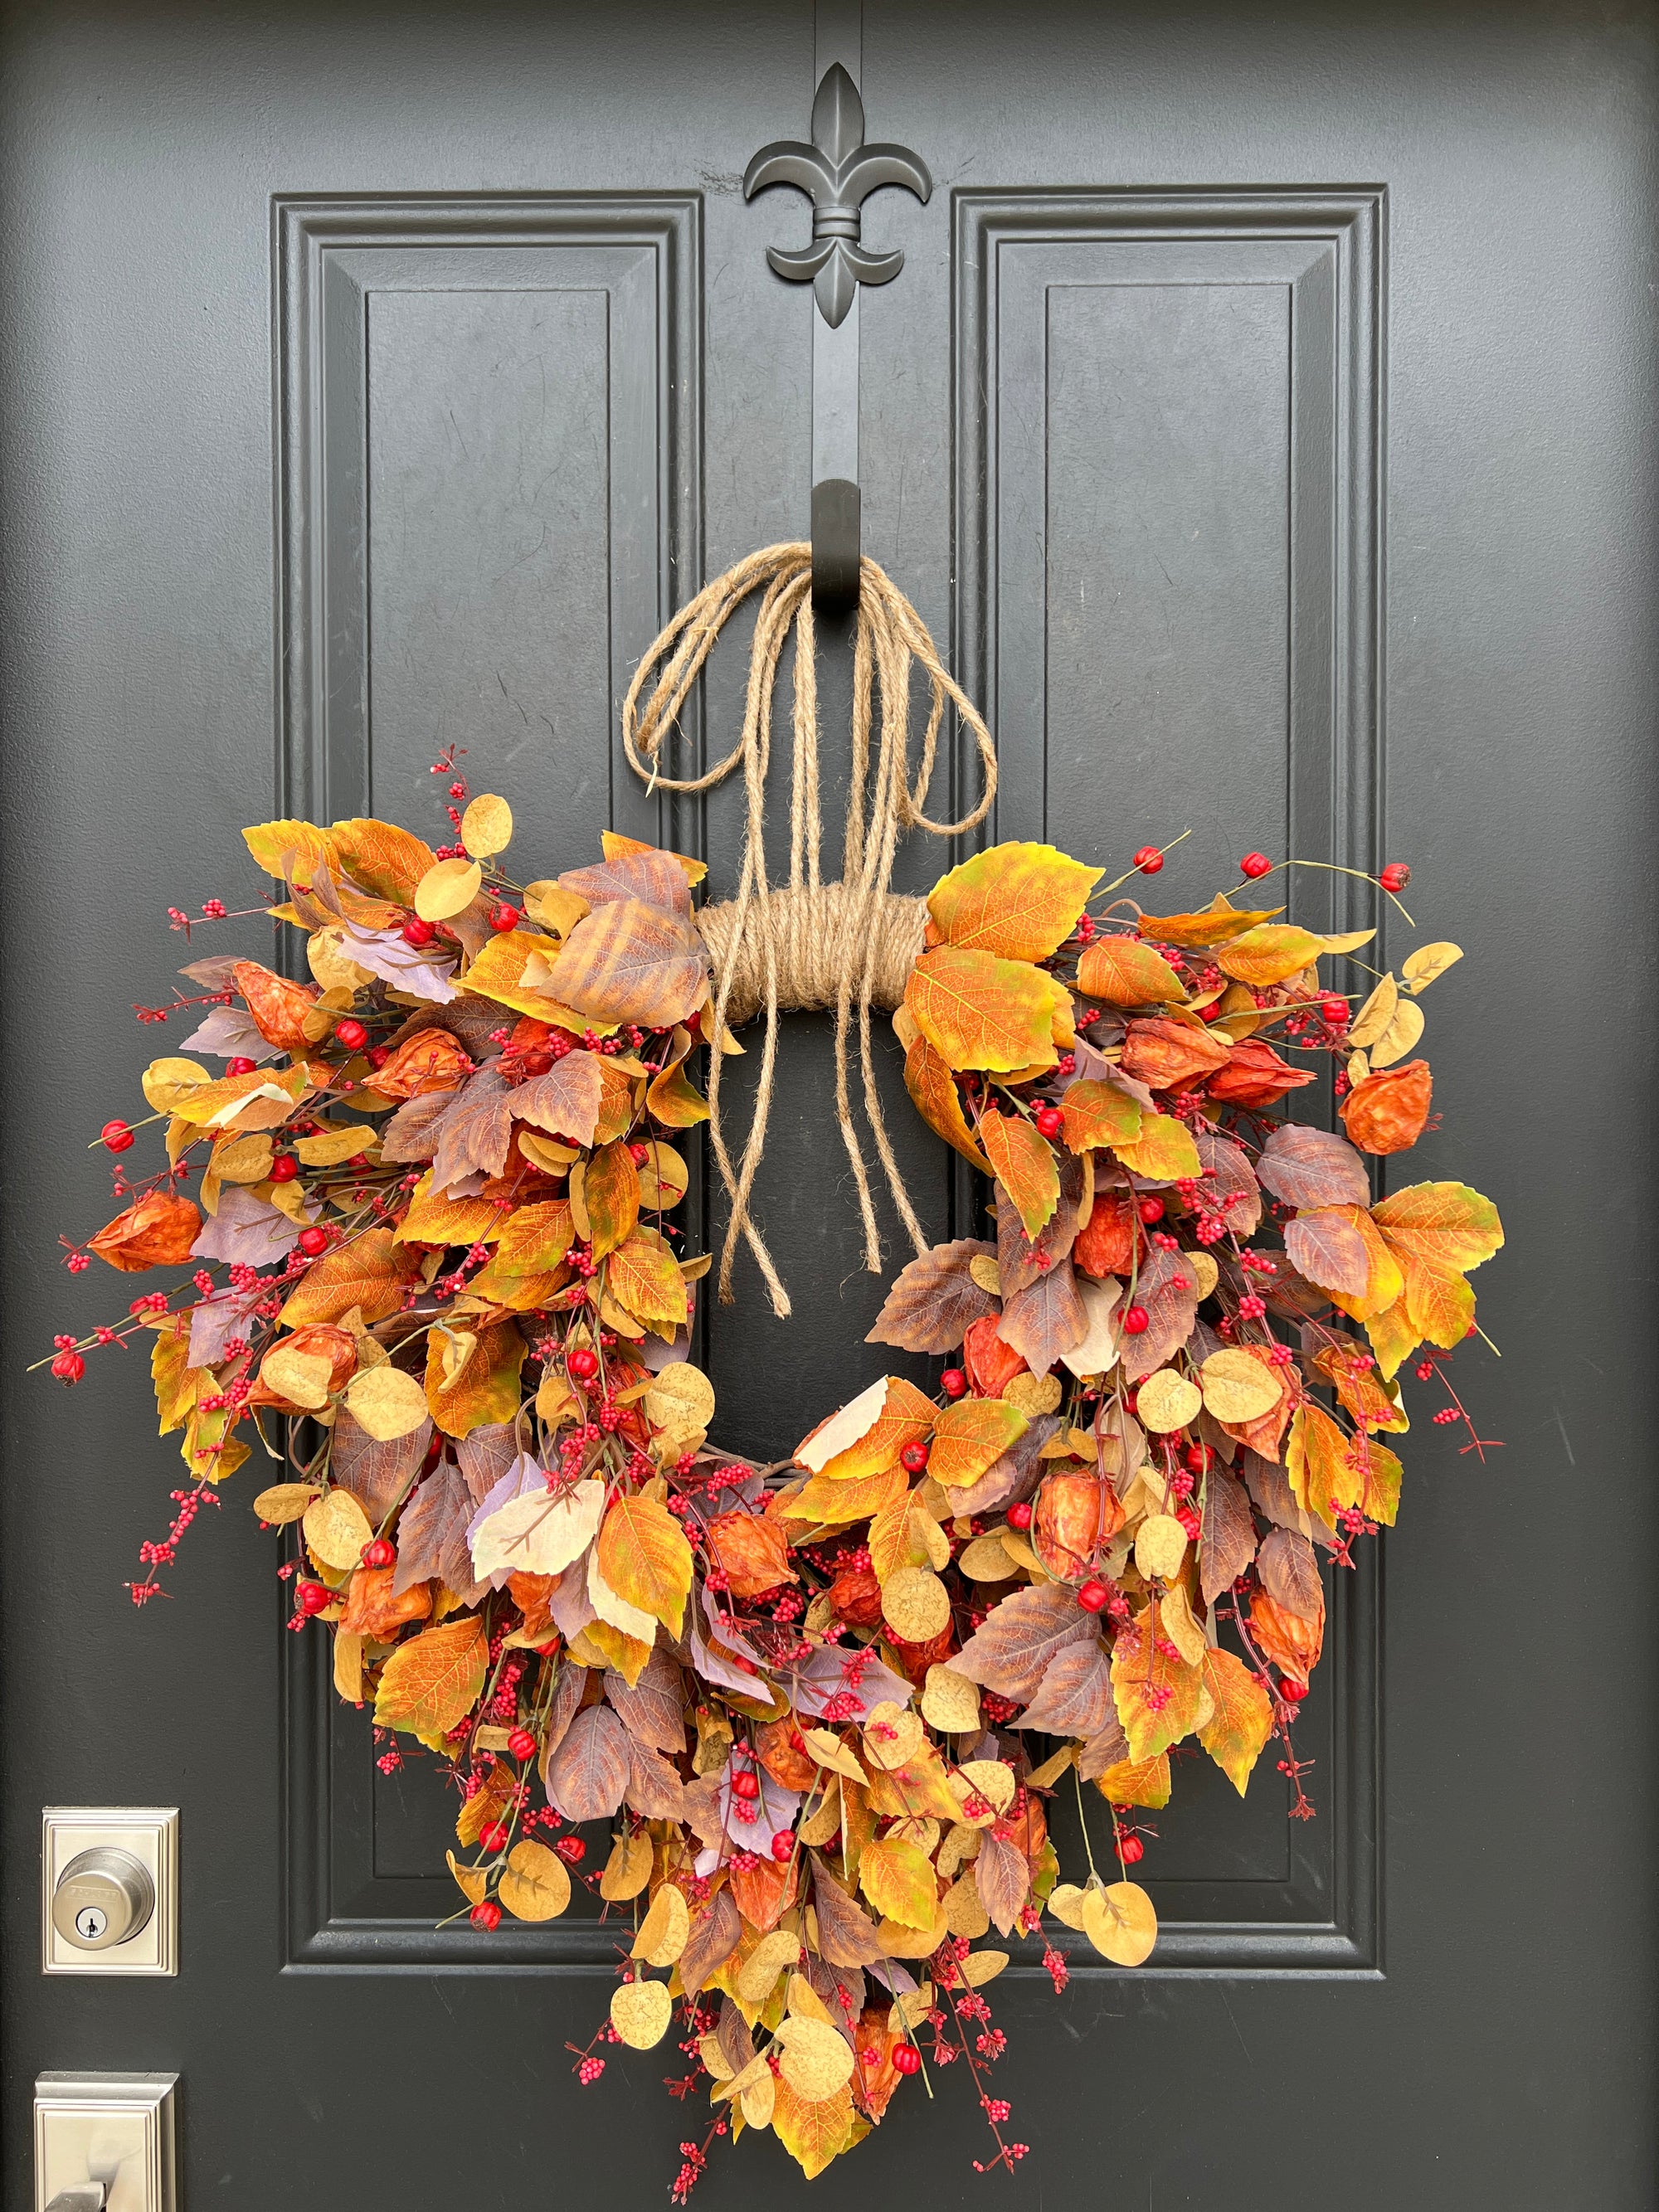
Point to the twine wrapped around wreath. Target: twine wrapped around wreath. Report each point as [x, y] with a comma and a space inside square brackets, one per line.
[810, 946]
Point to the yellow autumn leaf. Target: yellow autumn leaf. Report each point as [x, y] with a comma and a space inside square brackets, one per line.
[1024, 1165]
[980, 1012]
[1125, 971]
[1098, 1114]
[1163, 1152]
[485, 1388]
[274, 845]
[643, 1275]
[1243, 1720]
[969, 1436]
[1020, 902]
[933, 1093]
[432, 1682]
[487, 826]
[447, 888]
[380, 858]
[899, 1882]
[1272, 953]
[644, 1557]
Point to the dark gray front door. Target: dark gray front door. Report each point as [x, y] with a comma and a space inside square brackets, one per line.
[1263, 418]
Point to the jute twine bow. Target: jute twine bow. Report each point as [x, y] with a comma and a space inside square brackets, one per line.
[810, 944]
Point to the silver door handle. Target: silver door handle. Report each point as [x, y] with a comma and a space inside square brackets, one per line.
[85, 2196]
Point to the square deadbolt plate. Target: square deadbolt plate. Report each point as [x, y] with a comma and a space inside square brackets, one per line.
[114, 2128]
[150, 1832]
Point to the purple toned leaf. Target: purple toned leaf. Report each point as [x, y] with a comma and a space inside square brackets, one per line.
[772, 1812]
[588, 1772]
[1045, 1319]
[1238, 1195]
[1003, 1879]
[1168, 1291]
[488, 1454]
[216, 1323]
[700, 1809]
[475, 1132]
[1009, 1651]
[413, 1132]
[841, 1988]
[215, 973]
[1328, 1250]
[565, 1101]
[245, 1230]
[1313, 1167]
[846, 1935]
[654, 879]
[230, 1033]
[388, 954]
[568, 1694]
[1013, 1477]
[716, 1935]
[432, 1536]
[1076, 1695]
[654, 1710]
[845, 1675]
[935, 1300]
[1290, 1573]
[1270, 1488]
[654, 1789]
[376, 1474]
[1227, 1538]
[1109, 1748]
[1023, 1260]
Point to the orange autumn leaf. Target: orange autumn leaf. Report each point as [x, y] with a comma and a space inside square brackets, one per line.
[431, 1683]
[279, 1008]
[434, 1218]
[1383, 1280]
[979, 1011]
[610, 1193]
[380, 859]
[752, 1552]
[627, 962]
[1162, 1053]
[1243, 1720]
[1163, 1152]
[840, 1503]
[371, 1609]
[904, 1417]
[1026, 1167]
[933, 1093]
[1255, 1075]
[1272, 953]
[1315, 1462]
[1217, 923]
[969, 1435]
[486, 1389]
[368, 1271]
[644, 1556]
[1020, 901]
[1124, 971]
[1158, 1696]
[642, 1276]
[1137, 1782]
[1387, 1112]
[534, 1239]
[1096, 1114]
[1294, 1644]
[431, 1060]
[674, 1102]
[157, 1231]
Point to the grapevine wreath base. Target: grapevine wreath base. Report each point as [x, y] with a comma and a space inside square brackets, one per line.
[824, 1705]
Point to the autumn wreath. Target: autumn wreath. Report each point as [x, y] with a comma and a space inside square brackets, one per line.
[823, 1706]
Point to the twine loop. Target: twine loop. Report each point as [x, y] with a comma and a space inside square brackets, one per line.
[810, 944]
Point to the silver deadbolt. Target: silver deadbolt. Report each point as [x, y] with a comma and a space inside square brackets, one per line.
[103, 1897]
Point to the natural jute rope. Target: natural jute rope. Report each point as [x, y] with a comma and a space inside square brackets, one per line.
[810, 944]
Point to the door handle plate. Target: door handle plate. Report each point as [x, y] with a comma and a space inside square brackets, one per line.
[111, 2133]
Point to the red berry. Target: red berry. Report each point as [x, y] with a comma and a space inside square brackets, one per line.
[1130, 1849]
[494, 1838]
[487, 1915]
[1049, 1121]
[572, 1850]
[1396, 876]
[68, 1367]
[284, 1168]
[953, 1383]
[313, 1597]
[1292, 1692]
[1094, 1596]
[379, 1553]
[116, 1137]
[1335, 1010]
[417, 932]
[783, 1846]
[379, 1054]
[914, 1458]
[639, 1154]
[312, 1241]
[1150, 1209]
[1019, 1516]
[240, 1066]
[746, 1783]
[1197, 1457]
[1136, 1322]
[521, 1744]
[1255, 864]
[582, 1363]
[351, 1033]
[503, 917]
[907, 2059]
[1149, 860]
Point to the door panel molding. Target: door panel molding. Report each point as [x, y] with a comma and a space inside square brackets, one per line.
[1112, 349]
[577, 319]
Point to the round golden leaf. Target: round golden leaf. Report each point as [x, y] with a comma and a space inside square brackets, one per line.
[892, 1734]
[1167, 1401]
[640, 2012]
[900, 1941]
[984, 1560]
[546, 1152]
[487, 826]
[1066, 1903]
[387, 1402]
[1033, 1394]
[803, 1999]
[667, 1927]
[627, 1870]
[964, 1909]
[680, 1399]
[663, 1180]
[301, 1377]
[242, 1159]
[817, 2059]
[1202, 1267]
[1401, 1036]
[756, 2100]
[534, 1884]
[993, 1780]
[915, 1604]
[332, 965]
[756, 1976]
[950, 1702]
[910, 2008]
[473, 1881]
[447, 888]
[987, 1273]
[918, 1828]
[982, 1966]
[1160, 1547]
[1120, 1923]
[287, 1501]
[337, 1528]
[1237, 1388]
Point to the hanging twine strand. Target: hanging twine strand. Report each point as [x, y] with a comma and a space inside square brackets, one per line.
[808, 945]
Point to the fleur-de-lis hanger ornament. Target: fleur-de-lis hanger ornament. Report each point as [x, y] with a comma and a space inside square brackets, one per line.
[838, 172]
